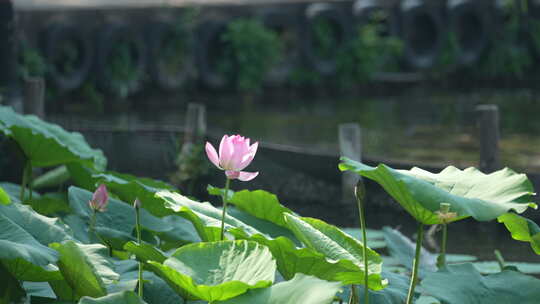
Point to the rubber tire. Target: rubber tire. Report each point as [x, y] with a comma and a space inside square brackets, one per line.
[422, 31]
[209, 33]
[158, 34]
[325, 67]
[470, 23]
[111, 34]
[55, 35]
[279, 20]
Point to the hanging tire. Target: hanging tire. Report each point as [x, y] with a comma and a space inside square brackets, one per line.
[171, 52]
[324, 21]
[209, 51]
[372, 12]
[469, 22]
[121, 60]
[286, 25]
[422, 33]
[69, 54]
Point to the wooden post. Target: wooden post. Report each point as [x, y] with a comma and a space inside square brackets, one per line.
[34, 95]
[488, 124]
[195, 127]
[350, 145]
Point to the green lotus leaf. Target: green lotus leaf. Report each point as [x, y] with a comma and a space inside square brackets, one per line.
[4, 197]
[44, 229]
[522, 229]
[45, 144]
[119, 215]
[302, 289]
[463, 284]
[85, 268]
[216, 271]
[205, 218]
[261, 204]
[129, 187]
[394, 293]
[51, 178]
[11, 290]
[26, 271]
[403, 249]
[337, 245]
[15, 242]
[14, 190]
[145, 252]
[51, 204]
[126, 297]
[469, 192]
[490, 267]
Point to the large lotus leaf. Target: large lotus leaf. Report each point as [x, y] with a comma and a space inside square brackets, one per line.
[490, 267]
[394, 293]
[522, 229]
[469, 192]
[44, 229]
[217, 271]
[157, 291]
[26, 271]
[11, 290]
[46, 144]
[14, 191]
[205, 218]
[51, 204]
[302, 289]
[403, 250]
[85, 268]
[39, 289]
[145, 252]
[126, 297]
[4, 197]
[182, 232]
[119, 215]
[337, 245]
[463, 284]
[15, 243]
[129, 187]
[52, 178]
[261, 225]
[261, 204]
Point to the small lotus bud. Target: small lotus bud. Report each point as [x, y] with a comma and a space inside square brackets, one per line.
[137, 203]
[360, 190]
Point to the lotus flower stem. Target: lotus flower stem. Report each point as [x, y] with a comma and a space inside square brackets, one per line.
[92, 226]
[416, 262]
[136, 204]
[360, 193]
[225, 199]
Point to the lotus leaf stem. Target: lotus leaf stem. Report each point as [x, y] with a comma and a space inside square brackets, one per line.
[138, 227]
[416, 262]
[360, 193]
[441, 260]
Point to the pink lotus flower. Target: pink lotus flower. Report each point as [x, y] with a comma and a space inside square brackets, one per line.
[235, 154]
[100, 199]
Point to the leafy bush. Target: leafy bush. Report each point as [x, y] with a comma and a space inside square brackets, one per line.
[368, 53]
[250, 52]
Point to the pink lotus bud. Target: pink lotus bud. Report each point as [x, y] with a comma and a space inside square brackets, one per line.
[100, 199]
[235, 153]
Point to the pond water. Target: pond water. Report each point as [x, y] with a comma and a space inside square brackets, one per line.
[412, 126]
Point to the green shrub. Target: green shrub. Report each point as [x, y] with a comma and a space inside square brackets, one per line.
[367, 53]
[250, 52]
